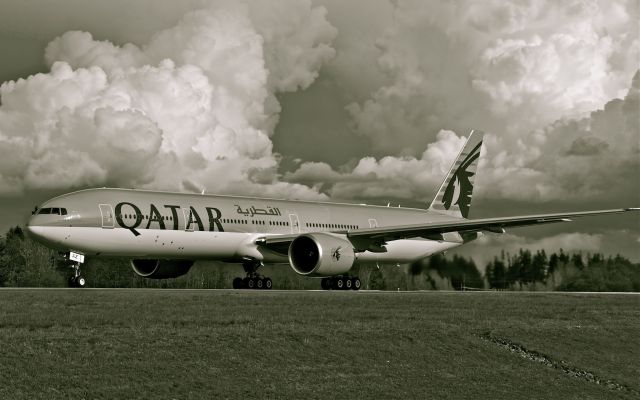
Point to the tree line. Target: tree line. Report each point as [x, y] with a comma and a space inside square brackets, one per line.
[26, 263]
[561, 271]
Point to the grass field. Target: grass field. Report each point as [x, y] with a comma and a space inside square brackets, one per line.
[237, 344]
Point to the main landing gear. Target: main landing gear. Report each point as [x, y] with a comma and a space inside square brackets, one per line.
[253, 280]
[340, 283]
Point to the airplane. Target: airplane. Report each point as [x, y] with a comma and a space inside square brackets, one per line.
[164, 233]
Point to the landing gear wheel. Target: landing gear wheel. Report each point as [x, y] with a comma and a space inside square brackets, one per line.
[267, 283]
[259, 284]
[251, 283]
[76, 280]
[237, 283]
[341, 283]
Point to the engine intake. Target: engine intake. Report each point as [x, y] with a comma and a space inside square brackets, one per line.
[161, 269]
[321, 254]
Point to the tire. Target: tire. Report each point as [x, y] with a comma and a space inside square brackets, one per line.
[80, 281]
[339, 284]
[259, 284]
[237, 283]
[356, 283]
[347, 284]
[251, 283]
[268, 284]
[72, 281]
[325, 284]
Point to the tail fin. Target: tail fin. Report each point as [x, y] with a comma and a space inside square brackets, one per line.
[454, 196]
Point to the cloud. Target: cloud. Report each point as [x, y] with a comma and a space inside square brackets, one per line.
[573, 159]
[587, 146]
[388, 177]
[194, 107]
[508, 68]
[591, 158]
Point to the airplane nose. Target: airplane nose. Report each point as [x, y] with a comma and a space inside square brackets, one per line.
[28, 228]
[31, 228]
[36, 233]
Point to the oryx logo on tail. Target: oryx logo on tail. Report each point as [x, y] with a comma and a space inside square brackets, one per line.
[460, 187]
[454, 196]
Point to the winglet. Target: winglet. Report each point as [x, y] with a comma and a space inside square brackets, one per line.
[454, 196]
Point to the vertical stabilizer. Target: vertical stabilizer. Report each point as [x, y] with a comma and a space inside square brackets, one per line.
[454, 196]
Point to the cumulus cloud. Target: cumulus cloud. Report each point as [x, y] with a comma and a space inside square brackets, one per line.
[386, 178]
[193, 108]
[590, 158]
[507, 67]
[550, 82]
[587, 159]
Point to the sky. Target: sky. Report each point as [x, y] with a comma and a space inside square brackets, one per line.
[360, 101]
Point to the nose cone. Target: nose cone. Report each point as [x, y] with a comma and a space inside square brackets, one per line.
[29, 228]
[36, 230]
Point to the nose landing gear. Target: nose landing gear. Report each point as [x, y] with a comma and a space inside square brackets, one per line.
[76, 279]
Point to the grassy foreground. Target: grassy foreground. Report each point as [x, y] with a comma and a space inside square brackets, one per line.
[314, 345]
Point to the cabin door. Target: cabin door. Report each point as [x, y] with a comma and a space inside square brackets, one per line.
[294, 223]
[107, 216]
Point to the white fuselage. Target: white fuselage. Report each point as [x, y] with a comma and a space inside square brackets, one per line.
[145, 224]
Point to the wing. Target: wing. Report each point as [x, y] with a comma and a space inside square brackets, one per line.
[363, 239]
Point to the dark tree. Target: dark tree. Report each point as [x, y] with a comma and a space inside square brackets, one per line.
[576, 259]
[497, 274]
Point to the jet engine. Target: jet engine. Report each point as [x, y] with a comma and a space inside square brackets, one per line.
[161, 269]
[321, 254]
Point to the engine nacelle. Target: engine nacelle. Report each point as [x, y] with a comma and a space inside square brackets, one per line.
[161, 269]
[321, 254]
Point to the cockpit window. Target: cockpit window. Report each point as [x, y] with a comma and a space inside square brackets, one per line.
[54, 210]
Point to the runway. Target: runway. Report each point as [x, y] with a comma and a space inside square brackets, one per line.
[370, 292]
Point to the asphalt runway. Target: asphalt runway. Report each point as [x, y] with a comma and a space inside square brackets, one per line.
[371, 292]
